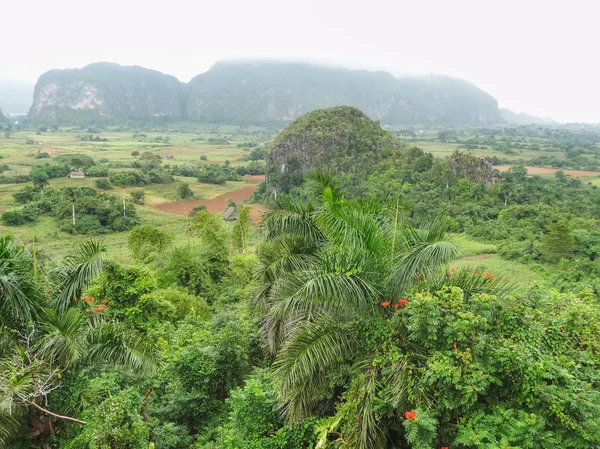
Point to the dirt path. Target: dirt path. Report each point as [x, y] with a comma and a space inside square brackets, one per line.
[254, 179]
[551, 171]
[235, 158]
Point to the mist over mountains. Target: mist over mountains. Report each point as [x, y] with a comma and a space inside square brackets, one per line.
[253, 93]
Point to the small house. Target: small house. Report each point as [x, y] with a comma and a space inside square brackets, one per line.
[76, 175]
[230, 214]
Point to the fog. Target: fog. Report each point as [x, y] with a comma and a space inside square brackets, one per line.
[533, 56]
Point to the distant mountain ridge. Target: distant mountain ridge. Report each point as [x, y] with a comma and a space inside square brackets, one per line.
[15, 96]
[256, 93]
[522, 118]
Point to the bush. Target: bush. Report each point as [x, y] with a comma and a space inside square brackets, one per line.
[104, 184]
[138, 196]
[184, 191]
[18, 216]
[42, 155]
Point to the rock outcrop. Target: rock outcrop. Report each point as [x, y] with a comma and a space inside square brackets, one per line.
[256, 93]
[472, 168]
[106, 91]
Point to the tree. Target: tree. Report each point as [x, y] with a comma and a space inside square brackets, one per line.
[325, 268]
[241, 229]
[150, 161]
[73, 194]
[50, 335]
[135, 153]
[558, 243]
[39, 177]
[148, 238]
[184, 191]
[138, 196]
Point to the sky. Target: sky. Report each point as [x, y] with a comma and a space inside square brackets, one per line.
[534, 56]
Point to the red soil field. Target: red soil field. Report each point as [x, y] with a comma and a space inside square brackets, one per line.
[218, 204]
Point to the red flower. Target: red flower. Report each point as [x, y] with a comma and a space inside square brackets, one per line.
[444, 447]
[478, 272]
[105, 301]
[396, 306]
[75, 298]
[454, 344]
[420, 277]
[404, 302]
[489, 276]
[385, 303]
[99, 309]
[410, 414]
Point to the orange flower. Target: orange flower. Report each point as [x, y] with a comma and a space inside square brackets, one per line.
[105, 301]
[385, 303]
[444, 447]
[454, 344]
[489, 276]
[410, 414]
[75, 298]
[99, 309]
[420, 277]
[404, 302]
[478, 272]
[396, 306]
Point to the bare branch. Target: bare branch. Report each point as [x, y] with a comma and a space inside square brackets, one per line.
[54, 415]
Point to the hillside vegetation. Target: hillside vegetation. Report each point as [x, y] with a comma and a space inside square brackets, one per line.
[254, 93]
[386, 299]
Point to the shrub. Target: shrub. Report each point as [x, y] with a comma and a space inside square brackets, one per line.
[104, 184]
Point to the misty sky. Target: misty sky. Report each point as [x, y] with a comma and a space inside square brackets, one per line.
[535, 56]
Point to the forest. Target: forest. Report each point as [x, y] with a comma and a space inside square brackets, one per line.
[398, 289]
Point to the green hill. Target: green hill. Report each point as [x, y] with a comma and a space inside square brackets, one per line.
[275, 92]
[339, 139]
[256, 93]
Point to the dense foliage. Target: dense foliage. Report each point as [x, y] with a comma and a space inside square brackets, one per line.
[78, 210]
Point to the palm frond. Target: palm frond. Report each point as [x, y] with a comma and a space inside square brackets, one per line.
[77, 272]
[473, 280]
[112, 344]
[20, 296]
[305, 366]
[63, 341]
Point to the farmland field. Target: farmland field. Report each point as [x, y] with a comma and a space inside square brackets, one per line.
[198, 144]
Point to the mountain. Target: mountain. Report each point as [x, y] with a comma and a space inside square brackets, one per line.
[16, 96]
[258, 93]
[276, 92]
[106, 91]
[340, 139]
[521, 118]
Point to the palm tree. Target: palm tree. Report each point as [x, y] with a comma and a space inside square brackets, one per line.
[45, 336]
[324, 271]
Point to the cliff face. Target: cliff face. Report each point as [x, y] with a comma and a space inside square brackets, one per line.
[270, 92]
[258, 93]
[106, 91]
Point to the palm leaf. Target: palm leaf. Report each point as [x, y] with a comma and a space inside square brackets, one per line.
[305, 366]
[77, 272]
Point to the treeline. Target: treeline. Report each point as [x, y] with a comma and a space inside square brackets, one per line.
[77, 210]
